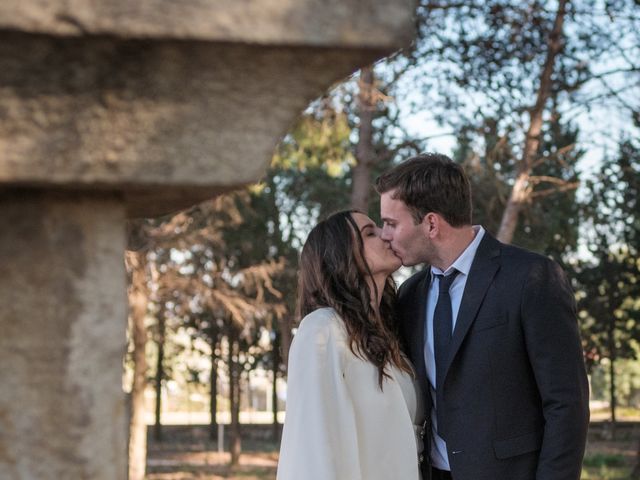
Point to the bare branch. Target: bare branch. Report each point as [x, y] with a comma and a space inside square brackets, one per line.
[560, 188]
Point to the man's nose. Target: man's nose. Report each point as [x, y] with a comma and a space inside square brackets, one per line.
[385, 234]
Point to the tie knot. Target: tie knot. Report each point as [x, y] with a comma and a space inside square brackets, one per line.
[446, 281]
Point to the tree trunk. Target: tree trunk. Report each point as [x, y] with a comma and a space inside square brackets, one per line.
[138, 298]
[361, 173]
[612, 376]
[275, 366]
[285, 339]
[635, 473]
[521, 191]
[234, 398]
[157, 431]
[213, 390]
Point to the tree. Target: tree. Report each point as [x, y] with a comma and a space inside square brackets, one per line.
[166, 306]
[138, 300]
[144, 235]
[225, 280]
[160, 371]
[361, 171]
[308, 177]
[610, 281]
[520, 65]
[549, 223]
[522, 187]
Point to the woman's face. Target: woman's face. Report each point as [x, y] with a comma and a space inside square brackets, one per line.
[377, 252]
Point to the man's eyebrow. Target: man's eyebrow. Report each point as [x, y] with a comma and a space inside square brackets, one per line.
[387, 219]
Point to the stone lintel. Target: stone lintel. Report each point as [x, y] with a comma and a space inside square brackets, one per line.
[385, 24]
[167, 123]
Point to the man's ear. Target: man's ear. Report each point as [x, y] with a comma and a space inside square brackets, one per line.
[430, 225]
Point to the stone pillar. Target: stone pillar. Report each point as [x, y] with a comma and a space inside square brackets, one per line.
[62, 336]
[113, 109]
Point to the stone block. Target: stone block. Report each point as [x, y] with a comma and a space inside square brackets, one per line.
[62, 279]
[383, 24]
[171, 103]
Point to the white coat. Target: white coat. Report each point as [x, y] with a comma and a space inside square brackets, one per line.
[339, 425]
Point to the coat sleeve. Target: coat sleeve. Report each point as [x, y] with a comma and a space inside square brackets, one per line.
[555, 353]
[319, 440]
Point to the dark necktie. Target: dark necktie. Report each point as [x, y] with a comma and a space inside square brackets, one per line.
[442, 331]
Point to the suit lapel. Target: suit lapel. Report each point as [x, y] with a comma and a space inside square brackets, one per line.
[419, 314]
[483, 269]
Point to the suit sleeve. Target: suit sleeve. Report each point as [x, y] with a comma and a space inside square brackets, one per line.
[319, 440]
[555, 353]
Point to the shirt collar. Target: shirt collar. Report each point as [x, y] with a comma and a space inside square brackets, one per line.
[464, 261]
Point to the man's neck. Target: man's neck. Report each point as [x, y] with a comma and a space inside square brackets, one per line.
[457, 241]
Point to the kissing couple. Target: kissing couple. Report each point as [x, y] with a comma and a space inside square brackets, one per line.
[472, 370]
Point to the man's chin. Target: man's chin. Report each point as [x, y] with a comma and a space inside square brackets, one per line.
[406, 262]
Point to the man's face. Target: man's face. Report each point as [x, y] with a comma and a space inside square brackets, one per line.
[408, 239]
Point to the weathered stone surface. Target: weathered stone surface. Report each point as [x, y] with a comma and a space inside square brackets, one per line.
[116, 107]
[345, 23]
[170, 103]
[168, 123]
[62, 324]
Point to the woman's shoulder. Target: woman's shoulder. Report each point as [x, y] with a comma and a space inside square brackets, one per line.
[322, 324]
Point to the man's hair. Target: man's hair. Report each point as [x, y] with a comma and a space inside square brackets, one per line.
[430, 182]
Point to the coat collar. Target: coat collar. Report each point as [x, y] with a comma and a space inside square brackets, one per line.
[418, 341]
[486, 264]
[483, 269]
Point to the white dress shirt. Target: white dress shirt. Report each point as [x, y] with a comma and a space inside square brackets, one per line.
[439, 457]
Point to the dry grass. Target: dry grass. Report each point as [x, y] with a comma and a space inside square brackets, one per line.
[211, 466]
[188, 454]
[192, 457]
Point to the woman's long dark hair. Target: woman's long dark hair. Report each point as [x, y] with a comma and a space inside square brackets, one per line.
[333, 273]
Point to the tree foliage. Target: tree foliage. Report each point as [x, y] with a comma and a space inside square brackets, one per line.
[516, 82]
[516, 67]
[610, 280]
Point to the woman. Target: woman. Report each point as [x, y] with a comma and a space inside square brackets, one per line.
[352, 404]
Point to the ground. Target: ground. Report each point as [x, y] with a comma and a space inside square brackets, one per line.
[212, 466]
[187, 454]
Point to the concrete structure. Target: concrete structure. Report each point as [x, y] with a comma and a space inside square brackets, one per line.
[111, 109]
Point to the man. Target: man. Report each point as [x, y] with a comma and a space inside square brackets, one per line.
[492, 332]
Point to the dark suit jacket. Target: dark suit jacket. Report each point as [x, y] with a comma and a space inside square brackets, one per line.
[515, 395]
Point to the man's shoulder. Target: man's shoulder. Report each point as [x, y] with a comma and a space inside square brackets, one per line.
[409, 286]
[521, 254]
[520, 258]
[515, 256]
